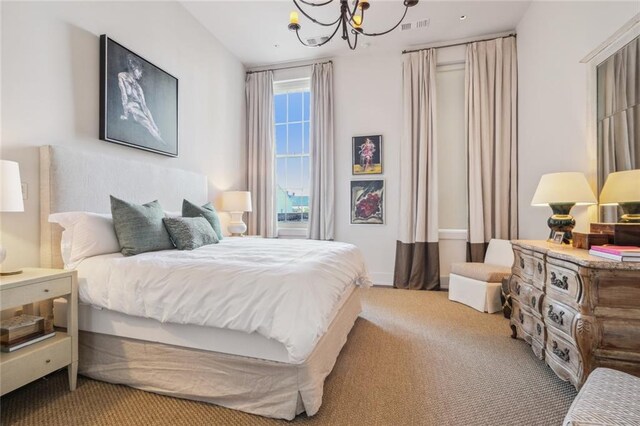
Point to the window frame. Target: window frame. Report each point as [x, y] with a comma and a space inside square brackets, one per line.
[290, 229]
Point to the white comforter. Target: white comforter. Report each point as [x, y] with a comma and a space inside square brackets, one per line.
[282, 289]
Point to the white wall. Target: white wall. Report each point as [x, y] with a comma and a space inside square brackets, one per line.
[552, 96]
[50, 72]
[368, 101]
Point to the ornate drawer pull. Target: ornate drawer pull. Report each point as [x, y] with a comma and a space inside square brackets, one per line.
[46, 290]
[517, 288]
[522, 263]
[533, 301]
[521, 317]
[539, 267]
[555, 317]
[539, 329]
[562, 284]
[48, 361]
[562, 354]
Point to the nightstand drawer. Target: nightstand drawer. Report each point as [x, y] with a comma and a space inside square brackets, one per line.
[19, 296]
[32, 362]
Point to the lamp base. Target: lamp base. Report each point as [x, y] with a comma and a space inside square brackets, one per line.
[7, 273]
[4, 273]
[630, 212]
[236, 226]
[561, 221]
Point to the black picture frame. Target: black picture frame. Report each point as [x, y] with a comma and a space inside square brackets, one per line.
[138, 101]
[359, 164]
[367, 202]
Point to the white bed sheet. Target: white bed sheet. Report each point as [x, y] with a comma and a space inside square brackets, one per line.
[284, 290]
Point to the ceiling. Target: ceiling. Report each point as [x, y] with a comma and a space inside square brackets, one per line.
[256, 31]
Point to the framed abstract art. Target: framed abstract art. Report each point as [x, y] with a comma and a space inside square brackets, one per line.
[138, 101]
[367, 202]
[366, 155]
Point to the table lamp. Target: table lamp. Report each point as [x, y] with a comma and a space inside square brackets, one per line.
[236, 203]
[562, 191]
[10, 198]
[623, 189]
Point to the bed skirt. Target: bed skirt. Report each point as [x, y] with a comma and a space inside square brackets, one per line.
[257, 386]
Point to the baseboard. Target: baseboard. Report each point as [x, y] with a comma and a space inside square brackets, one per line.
[444, 283]
[382, 278]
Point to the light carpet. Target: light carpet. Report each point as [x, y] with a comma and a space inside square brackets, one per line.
[413, 358]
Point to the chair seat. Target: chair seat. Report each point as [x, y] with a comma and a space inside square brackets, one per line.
[608, 397]
[481, 271]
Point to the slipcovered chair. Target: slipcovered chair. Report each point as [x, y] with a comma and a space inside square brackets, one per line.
[478, 284]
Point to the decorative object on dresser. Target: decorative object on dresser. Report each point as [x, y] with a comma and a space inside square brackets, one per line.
[585, 241]
[562, 191]
[623, 189]
[578, 312]
[56, 350]
[10, 198]
[618, 253]
[620, 234]
[478, 285]
[366, 155]
[237, 203]
[138, 101]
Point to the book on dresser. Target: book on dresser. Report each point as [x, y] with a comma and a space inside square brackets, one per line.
[22, 330]
[619, 253]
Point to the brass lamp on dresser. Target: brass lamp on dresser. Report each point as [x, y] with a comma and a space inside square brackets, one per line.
[577, 311]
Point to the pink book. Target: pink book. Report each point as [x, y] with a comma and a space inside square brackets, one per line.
[618, 250]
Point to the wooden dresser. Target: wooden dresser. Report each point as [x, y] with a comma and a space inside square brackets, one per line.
[577, 311]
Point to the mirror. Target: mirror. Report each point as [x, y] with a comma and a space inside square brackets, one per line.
[618, 116]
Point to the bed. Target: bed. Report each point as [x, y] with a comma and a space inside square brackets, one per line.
[261, 337]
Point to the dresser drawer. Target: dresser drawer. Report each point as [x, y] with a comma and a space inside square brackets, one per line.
[539, 271]
[562, 357]
[19, 296]
[563, 281]
[538, 330]
[523, 264]
[32, 362]
[559, 317]
[522, 318]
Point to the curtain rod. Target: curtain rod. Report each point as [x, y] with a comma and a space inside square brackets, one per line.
[291, 67]
[458, 44]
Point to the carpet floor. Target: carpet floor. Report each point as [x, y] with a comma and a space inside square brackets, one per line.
[412, 358]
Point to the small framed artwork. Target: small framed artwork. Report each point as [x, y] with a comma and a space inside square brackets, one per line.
[367, 202]
[138, 101]
[367, 155]
[558, 237]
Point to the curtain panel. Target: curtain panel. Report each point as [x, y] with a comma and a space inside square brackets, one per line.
[491, 133]
[322, 197]
[260, 151]
[417, 264]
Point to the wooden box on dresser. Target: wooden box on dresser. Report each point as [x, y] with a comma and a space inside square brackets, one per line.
[577, 311]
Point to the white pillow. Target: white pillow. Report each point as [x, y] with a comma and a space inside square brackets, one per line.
[85, 234]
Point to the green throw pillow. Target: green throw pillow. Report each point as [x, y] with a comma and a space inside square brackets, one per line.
[207, 211]
[189, 233]
[139, 228]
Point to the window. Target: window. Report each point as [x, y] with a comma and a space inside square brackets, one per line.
[291, 110]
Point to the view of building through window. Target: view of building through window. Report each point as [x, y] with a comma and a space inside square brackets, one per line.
[292, 156]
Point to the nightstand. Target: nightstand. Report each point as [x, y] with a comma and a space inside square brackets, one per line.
[32, 362]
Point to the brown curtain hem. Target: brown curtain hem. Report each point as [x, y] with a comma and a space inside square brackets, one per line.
[417, 266]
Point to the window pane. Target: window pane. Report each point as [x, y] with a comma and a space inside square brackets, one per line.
[305, 175]
[295, 106]
[294, 174]
[280, 108]
[295, 139]
[281, 139]
[305, 138]
[281, 172]
[306, 105]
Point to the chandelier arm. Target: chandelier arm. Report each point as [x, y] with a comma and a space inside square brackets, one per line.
[308, 3]
[355, 43]
[321, 44]
[352, 13]
[389, 30]
[314, 20]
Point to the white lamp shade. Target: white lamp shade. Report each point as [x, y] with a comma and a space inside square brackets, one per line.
[236, 201]
[621, 187]
[563, 188]
[10, 187]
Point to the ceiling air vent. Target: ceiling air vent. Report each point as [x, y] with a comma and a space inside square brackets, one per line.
[314, 41]
[419, 25]
[405, 27]
[422, 24]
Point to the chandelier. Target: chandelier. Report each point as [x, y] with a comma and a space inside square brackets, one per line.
[350, 20]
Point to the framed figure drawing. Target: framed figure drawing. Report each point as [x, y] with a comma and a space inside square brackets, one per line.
[138, 101]
[367, 155]
[367, 202]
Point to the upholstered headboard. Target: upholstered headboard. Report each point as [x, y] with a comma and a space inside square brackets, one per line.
[75, 180]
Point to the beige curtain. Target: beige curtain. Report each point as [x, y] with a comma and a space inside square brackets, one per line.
[491, 133]
[417, 252]
[618, 116]
[321, 200]
[260, 150]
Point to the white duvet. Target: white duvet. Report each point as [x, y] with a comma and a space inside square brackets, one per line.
[282, 289]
